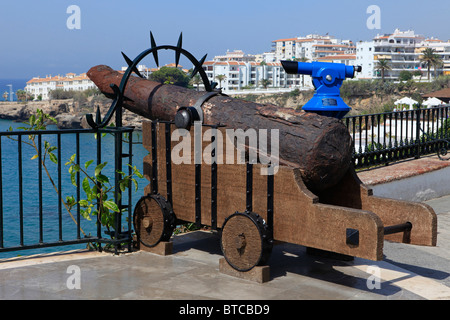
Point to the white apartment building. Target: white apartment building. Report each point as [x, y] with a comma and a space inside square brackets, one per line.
[236, 55]
[238, 75]
[348, 59]
[43, 86]
[311, 47]
[240, 56]
[402, 49]
[442, 50]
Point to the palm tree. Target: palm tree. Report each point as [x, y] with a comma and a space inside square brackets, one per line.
[220, 77]
[196, 80]
[265, 83]
[21, 95]
[5, 95]
[438, 63]
[429, 58]
[382, 66]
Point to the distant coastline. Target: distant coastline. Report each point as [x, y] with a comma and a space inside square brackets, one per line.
[68, 113]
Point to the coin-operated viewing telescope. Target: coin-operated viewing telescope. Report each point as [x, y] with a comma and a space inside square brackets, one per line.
[327, 80]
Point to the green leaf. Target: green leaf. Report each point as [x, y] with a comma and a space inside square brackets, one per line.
[87, 164]
[102, 179]
[71, 160]
[84, 203]
[86, 213]
[111, 206]
[53, 158]
[135, 183]
[99, 168]
[70, 201]
[123, 185]
[86, 186]
[138, 174]
[35, 157]
[72, 178]
[94, 191]
[136, 171]
[52, 119]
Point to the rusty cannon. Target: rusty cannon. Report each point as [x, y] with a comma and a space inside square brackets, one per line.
[311, 197]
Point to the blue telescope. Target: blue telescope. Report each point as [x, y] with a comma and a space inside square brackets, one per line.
[327, 80]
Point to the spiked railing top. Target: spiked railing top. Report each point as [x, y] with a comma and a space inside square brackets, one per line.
[119, 91]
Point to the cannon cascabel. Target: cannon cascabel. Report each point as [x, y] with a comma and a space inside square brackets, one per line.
[321, 147]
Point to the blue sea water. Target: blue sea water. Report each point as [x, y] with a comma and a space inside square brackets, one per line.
[31, 199]
[17, 84]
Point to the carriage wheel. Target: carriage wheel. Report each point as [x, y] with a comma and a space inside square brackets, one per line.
[154, 220]
[246, 241]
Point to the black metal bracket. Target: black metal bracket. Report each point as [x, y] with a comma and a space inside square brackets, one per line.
[186, 116]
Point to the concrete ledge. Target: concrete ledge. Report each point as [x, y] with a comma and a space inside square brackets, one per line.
[414, 180]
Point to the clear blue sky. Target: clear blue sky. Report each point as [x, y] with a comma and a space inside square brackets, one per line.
[36, 41]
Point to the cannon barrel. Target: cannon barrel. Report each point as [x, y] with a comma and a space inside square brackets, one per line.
[321, 147]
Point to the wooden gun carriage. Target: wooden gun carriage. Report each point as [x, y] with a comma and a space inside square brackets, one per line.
[314, 199]
[253, 210]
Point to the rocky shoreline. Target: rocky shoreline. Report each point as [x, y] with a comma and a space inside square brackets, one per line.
[68, 113]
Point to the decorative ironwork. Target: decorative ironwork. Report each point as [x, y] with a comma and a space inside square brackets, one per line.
[46, 238]
[119, 91]
[383, 138]
[442, 150]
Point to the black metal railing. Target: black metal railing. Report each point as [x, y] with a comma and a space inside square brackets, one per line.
[32, 194]
[383, 138]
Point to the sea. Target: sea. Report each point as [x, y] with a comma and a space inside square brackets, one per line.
[31, 199]
[16, 84]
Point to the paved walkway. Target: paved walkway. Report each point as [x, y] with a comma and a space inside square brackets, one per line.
[192, 273]
[402, 170]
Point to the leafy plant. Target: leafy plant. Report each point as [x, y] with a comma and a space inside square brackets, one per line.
[39, 122]
[96, 186]
[168, 75]
[98, 189]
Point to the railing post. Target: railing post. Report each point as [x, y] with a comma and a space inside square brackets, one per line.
[99, 161]
[118, 167]
[418, 142]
